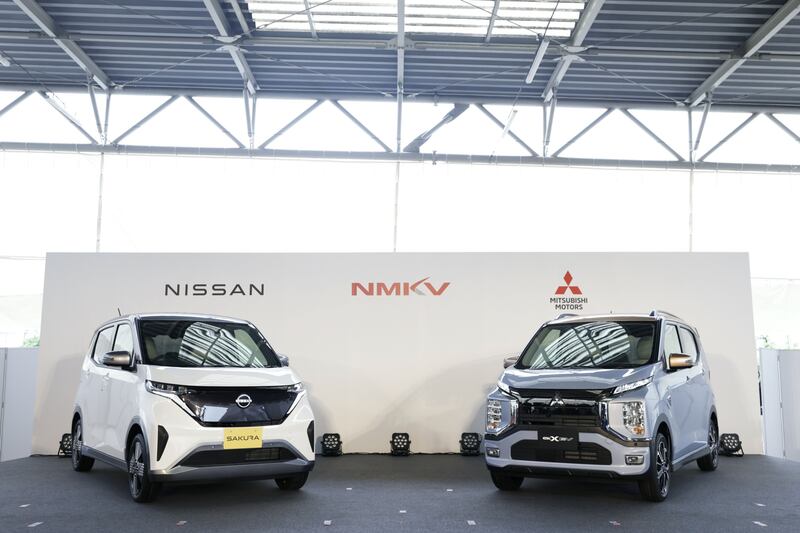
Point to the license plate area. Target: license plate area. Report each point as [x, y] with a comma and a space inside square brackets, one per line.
[240, 438]
[558, 439]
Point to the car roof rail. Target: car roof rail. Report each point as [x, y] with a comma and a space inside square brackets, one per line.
[661, 313]
[565, 315]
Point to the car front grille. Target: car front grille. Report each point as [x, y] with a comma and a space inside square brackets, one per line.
[539, 412]
[235, 457]
[586, 453]
[217, 406]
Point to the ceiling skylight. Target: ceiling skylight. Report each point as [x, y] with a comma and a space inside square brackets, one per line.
[462, 17]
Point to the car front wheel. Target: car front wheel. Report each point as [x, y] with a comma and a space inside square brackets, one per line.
[655, 486]
[142, 488]
[506, 482]
[80, 463]
[709, 463]
[294, 482]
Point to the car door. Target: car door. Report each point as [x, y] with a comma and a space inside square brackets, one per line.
[678, 398]
[121, 395]
[697, 389]
[94, 409]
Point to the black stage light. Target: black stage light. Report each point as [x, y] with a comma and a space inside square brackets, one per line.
[65, 445]
[331, 445]
[470, 444]
[400, 443]
[730, 444]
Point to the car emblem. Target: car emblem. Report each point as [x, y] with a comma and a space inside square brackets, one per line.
[243, 401]
[557, 401]
[556, 438]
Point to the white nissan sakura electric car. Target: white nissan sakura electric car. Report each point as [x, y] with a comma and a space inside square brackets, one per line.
[172, 398]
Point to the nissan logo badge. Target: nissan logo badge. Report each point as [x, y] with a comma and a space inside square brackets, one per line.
[243, 401]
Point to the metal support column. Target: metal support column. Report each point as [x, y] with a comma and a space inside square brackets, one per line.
[401, 51]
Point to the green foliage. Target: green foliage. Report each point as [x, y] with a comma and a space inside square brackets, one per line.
[31, 341]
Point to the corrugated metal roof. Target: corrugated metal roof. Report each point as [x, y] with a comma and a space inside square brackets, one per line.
[648, 52]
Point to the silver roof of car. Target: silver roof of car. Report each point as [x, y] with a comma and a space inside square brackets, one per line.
[566, 318]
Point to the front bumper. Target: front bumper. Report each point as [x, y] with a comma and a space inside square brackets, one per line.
[270, 470]
[187, 438]
[616, 468]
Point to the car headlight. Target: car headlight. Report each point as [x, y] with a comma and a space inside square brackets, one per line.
[628, 419]
[500, 414]
[297, 388]
[165, 388]
[633, 417]
[633, 385]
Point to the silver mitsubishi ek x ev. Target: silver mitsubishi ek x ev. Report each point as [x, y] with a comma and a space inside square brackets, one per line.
[615, 397]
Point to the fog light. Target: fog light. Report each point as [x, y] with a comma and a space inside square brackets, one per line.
[634, 459]
[492, 452]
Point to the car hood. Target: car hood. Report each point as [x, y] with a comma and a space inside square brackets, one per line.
[222, 377]
[574, 378]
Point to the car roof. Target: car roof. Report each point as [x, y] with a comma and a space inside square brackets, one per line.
[174, 316]
[567, 319]
[653, 316]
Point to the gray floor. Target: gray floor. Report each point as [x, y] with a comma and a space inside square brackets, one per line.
[368, 493]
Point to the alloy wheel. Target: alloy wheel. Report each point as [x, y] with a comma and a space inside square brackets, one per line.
[77, 443]
[713, 442]
[136, 468]
[662, 467]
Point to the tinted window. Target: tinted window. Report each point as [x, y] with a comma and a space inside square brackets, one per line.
[211, 343]
[689, 344]
[590, 345]
[103, 344]
[124, 339]
[671, 343]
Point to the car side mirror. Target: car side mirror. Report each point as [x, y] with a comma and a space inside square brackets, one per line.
[510, 361]
[676, 361]
[121, 358]
[284, 359]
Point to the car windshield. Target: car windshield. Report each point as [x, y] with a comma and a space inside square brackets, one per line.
[206, 343]
[596, 344]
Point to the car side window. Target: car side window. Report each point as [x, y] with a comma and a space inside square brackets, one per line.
[124, 339]
[689, 343]
[671, 342]
[105, 339]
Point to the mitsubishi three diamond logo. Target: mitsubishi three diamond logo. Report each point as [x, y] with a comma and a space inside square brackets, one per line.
[574, 302]
[562, 289]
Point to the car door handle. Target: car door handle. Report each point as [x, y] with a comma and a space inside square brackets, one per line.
[105, 377]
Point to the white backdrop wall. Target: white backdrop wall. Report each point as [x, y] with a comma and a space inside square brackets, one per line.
[422, 364]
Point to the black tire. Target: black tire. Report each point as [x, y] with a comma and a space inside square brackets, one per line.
[505, 481]
[294, 482]
[655, 486]
[80, 463]
[710, 462]
[141, 487]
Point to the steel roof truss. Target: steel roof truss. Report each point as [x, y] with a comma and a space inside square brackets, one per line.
[361, 126]
[41, 18]
[504, 127]
[214, 121]
[291, 124]
[762, 35]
